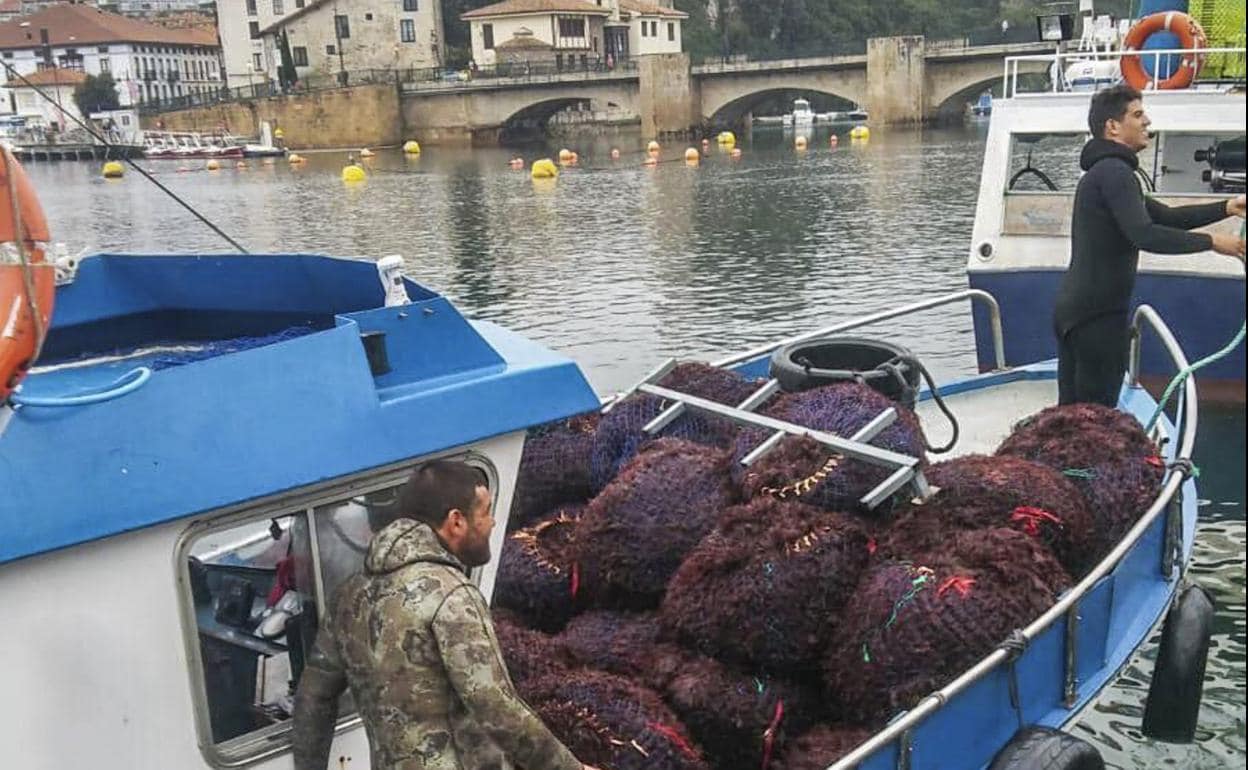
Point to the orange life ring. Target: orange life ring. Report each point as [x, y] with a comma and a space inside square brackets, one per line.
[1191, 36]
[23, 229]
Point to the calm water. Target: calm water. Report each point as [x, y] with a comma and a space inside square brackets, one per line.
[620, 267]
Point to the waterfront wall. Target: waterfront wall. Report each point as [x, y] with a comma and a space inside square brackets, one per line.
[358, 116]
[896, 79]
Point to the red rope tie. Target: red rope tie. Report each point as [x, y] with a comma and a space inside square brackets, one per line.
[959, 583]
[1031, 518]
[576, 578]
[871, 546]
[1155, 461]
[670, 733]
[769, 735]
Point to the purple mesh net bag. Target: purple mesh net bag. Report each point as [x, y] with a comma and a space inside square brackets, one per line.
[634, 535]
[818, 748]
[979, 492]
[536, 579]
[764, 588]
[529, 655]
[608, 722]
[910, 628]
[554, 469]
[619, 435]
[622, 643]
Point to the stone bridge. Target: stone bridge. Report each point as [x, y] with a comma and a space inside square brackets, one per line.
[899, 80]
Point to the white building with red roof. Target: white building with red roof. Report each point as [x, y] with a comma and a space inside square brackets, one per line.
[148, 62]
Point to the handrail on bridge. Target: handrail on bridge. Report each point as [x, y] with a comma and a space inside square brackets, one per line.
[1069, 602]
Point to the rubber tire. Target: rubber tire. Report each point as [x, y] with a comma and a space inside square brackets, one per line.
[794, 377]
[1173, 705]
[1042, 748]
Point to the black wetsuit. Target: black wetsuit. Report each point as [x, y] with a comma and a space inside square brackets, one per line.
[1112, 222]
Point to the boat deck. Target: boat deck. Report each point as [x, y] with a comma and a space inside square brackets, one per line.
[985, 416]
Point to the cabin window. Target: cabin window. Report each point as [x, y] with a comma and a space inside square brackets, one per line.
[1198, 164]
[255, 587]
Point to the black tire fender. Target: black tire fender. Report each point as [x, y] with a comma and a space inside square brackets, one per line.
[1174, 693]
[1043, 748]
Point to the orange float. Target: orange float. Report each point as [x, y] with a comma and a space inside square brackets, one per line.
[27, 279]
[1191, 36]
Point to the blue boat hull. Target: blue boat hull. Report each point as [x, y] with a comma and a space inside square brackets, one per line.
[1204, 312]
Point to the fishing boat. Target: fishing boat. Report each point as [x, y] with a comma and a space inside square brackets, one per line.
[201, 428]
[1020, 244]
[801, 115]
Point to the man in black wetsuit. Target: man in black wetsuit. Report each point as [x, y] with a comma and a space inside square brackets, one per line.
[1113, 221]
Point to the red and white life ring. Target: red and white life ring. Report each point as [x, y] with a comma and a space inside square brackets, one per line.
[1191, 38]
[27, 279]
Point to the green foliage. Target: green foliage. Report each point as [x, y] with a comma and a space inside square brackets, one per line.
[96, 93]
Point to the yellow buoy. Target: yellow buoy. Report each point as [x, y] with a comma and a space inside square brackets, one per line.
[726, 138]
[353, 173]
[800, 142]
[295, 159]
[544, 169]
[279, 134]
[367, 153]
[213, 165]
[565, 156]
[692, 156]
[411, 147]
[653, 147]
[859, 132]
[114, 170]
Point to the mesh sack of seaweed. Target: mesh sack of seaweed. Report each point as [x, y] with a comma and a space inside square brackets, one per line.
[1107, 455]
[800, 467]
[619, 435]
[911, 627]
[554, 469]
[633, 536]
[765, 587]
[979, 492]
[741, 718]
[624, 643]
[820, 746]
[529, 655]
[609, 722]
[537, 578]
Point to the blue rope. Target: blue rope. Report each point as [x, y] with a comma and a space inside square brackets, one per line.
[124, 385]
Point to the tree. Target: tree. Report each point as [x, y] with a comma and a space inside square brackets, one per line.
[96, 94]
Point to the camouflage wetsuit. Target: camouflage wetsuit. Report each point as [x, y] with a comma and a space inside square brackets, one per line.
[412, 637]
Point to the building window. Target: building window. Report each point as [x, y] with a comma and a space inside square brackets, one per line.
[342, 27]
[300, 55]
[102, 49]
[487, 37]
[251, 7]
[278, 8]
[654, 29]
[645, 29]
[571, 27]
[253, 29]
[671, 31]
[407, 30]
[257, 63]
[368, 17]
[105, 65]
[298, 3]
[411, 6]
[330, 50]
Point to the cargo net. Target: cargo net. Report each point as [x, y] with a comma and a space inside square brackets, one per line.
[1223, 23]
[687, 616]
[978, 492]
[801, 468]
[1104, 452]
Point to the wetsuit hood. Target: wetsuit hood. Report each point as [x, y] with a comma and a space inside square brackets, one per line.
[405, 542]
[1098, 149]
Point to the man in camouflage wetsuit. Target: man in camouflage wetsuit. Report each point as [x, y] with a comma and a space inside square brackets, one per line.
[412, 637]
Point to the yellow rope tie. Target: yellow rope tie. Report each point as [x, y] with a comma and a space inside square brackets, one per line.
[528, 540]
[799, 488]
[807, 541]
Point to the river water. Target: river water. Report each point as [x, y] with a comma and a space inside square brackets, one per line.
[621, 266]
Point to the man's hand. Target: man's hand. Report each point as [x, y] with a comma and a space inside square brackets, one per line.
[1230, 245]
[1235, 208]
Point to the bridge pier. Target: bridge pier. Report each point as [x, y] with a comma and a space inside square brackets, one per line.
[668, 101]
[896, 79]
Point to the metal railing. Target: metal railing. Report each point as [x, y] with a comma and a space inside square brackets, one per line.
[1059, 61]
[974, 295]
[1068, 605]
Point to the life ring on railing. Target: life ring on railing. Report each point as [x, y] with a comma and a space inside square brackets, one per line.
[1191, 37]
[27, 279]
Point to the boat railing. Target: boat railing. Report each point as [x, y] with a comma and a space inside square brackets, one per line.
[974, 295]
[1059, 61]
[1167, 503]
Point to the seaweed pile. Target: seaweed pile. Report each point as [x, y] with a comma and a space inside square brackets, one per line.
[670, 608]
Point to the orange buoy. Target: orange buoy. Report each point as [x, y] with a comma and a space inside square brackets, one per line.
[27, 290]
[1191, 36]
[615, 153]
[834, 141]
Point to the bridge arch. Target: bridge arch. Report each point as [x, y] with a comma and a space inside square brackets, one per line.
[949, 87]
[733, 112]
[728, 95]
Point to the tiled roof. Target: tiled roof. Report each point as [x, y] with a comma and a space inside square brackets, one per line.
[49, 77]
[516, 7]
[11, 6]
[71, 24]
[642, 8]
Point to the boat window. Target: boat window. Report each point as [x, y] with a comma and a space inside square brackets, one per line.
[1199, 163]
[256, 589]
[1045, 163]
